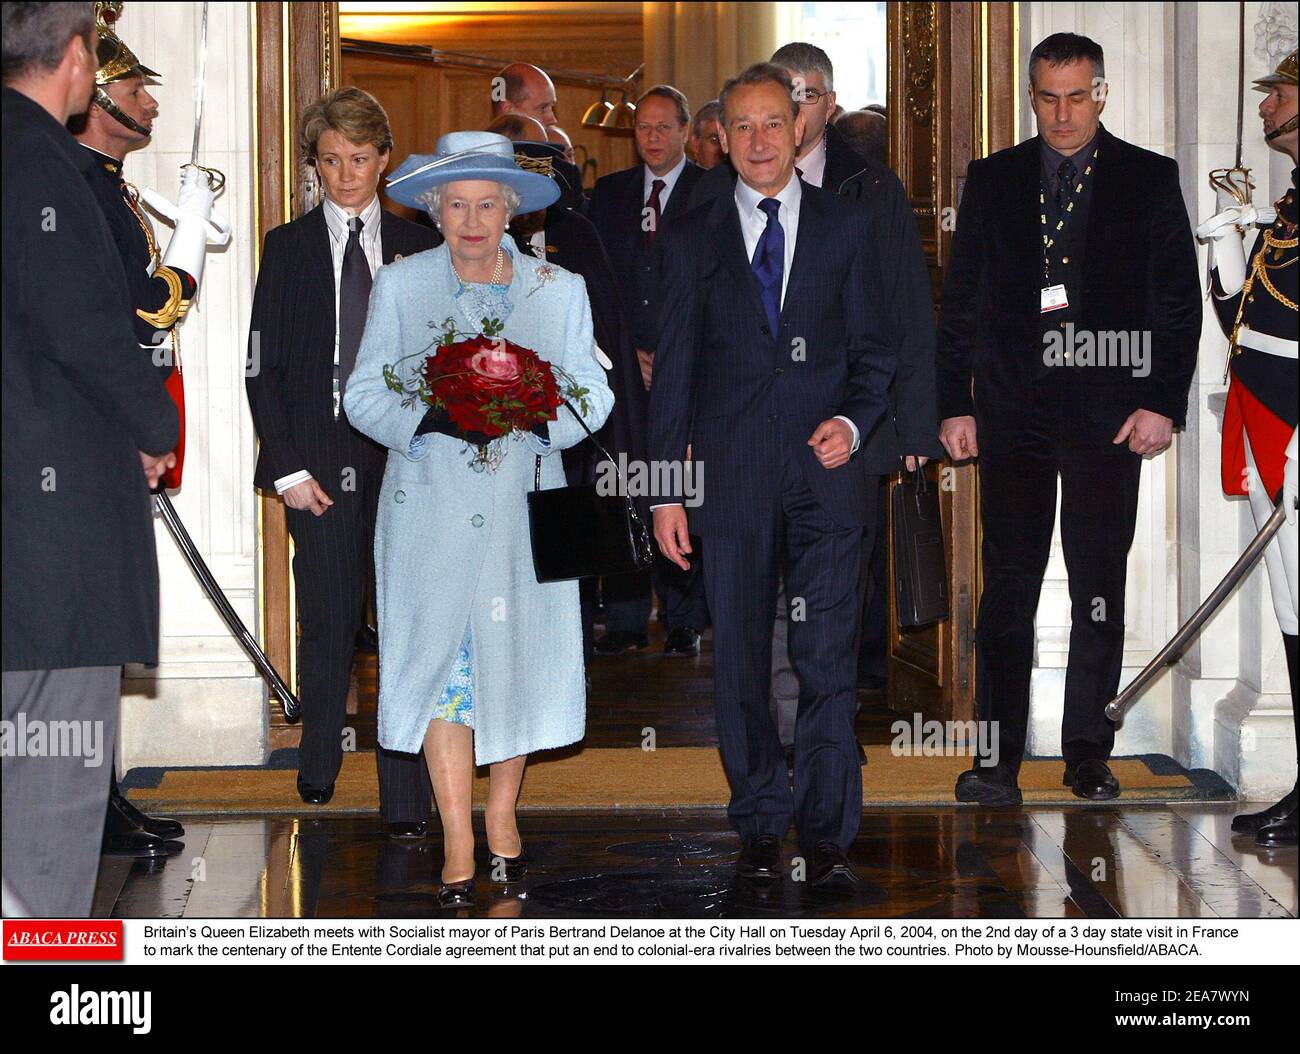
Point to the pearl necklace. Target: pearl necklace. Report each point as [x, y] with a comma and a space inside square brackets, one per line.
[476, 291]
[497, 271]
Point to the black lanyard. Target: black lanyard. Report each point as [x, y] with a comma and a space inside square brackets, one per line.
[1050, 236]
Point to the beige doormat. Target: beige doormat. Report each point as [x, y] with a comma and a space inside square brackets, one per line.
[681, 777]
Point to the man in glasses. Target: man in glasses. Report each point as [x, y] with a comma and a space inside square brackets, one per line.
[825, 158]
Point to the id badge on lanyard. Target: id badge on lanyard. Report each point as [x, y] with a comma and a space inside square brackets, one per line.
[1053, 297]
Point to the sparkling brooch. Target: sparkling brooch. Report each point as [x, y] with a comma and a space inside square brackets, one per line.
[545, 274]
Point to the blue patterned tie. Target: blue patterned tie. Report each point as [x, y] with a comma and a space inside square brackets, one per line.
[768, 264]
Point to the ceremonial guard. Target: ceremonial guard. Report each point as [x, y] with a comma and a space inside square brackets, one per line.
[1256, 300]
[160, 286]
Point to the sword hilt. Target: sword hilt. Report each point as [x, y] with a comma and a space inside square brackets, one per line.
[216, 178]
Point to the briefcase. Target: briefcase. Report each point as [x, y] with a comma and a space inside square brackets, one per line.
[578, 532]
[920, 567]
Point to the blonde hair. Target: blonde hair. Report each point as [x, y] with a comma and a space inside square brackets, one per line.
[354, 114]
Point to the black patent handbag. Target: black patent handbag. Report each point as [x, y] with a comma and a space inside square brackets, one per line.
[578, 532]
[920, 566]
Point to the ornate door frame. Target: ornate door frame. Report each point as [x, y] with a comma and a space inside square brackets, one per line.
[952, 97]
[296, 56]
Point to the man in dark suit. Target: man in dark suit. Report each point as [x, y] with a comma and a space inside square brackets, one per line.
[309, 312]
[630, 209]
[1072, 302]
[825, 158]
[772, 367]
[88, 430]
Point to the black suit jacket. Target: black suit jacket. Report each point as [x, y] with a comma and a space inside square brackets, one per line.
[843, 162]
[81, 400]
[741, 395]
[1138, 275]
[572, 243]
[291, 345]
[615, 209]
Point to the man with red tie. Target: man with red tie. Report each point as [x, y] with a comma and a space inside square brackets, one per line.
[629, 210]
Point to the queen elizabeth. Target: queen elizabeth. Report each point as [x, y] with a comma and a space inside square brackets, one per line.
[478, 662]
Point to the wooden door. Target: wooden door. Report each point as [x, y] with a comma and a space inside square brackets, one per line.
[952, 97]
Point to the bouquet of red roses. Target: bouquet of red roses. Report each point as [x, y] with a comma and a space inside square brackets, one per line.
[488, 384]
[491, 385]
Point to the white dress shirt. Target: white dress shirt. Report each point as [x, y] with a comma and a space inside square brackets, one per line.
[813, 164]
[336, 222]
[670, 180]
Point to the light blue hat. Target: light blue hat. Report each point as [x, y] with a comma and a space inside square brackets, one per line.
[470, 155]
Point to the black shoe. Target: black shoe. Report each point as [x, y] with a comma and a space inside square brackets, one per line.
[314, 795]
[760, 858]
[508, 869]
[158, 826]
[124, 838]
[456, 894]
[987, 786]
[617, 641]
[682, 641]
[1278, 835]
[1250, 822]
[1091, 779]
[368, 638]
[408, 830]
[829, 868]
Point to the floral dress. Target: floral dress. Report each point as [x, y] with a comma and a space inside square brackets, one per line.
[456, 704]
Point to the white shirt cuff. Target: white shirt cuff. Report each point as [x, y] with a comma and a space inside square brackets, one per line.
[857, 439]
[292, 480]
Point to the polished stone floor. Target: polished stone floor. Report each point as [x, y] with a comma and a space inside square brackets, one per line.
[915, 863]
[949, 862]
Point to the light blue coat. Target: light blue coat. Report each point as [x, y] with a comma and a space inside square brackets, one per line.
[452, 544]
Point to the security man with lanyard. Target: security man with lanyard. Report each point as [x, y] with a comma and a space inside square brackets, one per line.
[161, 286]
[1256, 301]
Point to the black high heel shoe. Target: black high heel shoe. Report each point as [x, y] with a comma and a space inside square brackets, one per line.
[506, 870]
[456, 894]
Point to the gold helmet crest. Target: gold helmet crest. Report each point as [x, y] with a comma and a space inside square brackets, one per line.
[116, 61]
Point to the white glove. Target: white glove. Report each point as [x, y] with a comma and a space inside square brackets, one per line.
[1289, 492]
[1225, 223]
[1227, 249]
[188, 245]
[196, 193]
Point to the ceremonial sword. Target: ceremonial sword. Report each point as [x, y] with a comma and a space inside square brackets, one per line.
[180, 535]
[1173, 651]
